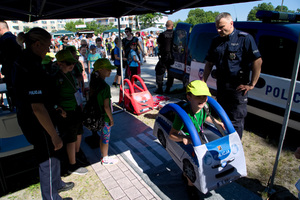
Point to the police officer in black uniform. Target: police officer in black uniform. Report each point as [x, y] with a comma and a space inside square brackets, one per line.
[9, 52]
[235, 54]
[165, 42]
[36, 111]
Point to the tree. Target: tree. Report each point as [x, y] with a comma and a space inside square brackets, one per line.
[253, 11]
[148, 20]
[176, 22]
[197, 16]
[267, 6]
[92, 26]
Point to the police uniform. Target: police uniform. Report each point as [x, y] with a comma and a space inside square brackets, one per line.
[233, 56]
[33, 85]
[165, 41]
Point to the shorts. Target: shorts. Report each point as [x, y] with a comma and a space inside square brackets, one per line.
[71, 126]
[133, 70]
[105, 133]
[118, 70]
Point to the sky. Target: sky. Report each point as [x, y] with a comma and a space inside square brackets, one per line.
[238, 11]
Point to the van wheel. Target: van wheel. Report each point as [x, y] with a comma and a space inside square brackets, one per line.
[161, 138]
[188, 169]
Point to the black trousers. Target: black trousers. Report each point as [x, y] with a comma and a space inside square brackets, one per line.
[160, 70]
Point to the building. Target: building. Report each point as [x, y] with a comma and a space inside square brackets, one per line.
[56, 25]
[130, 21]
[49, 25]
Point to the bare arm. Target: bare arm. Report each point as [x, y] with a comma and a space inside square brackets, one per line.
[42, 115]
[256, 68]
[207, 69]
[175, 136]
[108, 111]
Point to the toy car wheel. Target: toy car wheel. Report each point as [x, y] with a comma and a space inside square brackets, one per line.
[161, 138]
[188, 169]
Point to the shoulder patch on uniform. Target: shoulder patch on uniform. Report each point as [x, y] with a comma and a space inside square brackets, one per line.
[243, 33]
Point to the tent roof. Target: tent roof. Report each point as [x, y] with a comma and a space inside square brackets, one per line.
[151, 29]
[113, 30]
[32, 10]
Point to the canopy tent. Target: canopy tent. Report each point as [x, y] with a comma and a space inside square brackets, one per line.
[154, 29]
[114, 30]
[62, 32]
[32, 10]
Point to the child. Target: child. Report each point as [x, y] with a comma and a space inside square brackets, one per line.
[92, 57]
[69, 124]
[196, 93]
[117, 63]
[98, 86]
[133, 60]
[99, 48]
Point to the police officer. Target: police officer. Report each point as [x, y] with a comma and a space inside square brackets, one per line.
[235, 54]
[165, 42]
[35, 111]
[9, 52]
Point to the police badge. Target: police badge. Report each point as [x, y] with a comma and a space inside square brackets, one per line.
[232, 56]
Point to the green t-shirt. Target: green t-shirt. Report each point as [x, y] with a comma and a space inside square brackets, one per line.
[103, 94]
[200, 116]
[66, 85]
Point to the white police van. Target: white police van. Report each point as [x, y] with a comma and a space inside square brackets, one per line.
[277, 42]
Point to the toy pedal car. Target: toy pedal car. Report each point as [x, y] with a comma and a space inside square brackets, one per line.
[208, 165]
[137, 99]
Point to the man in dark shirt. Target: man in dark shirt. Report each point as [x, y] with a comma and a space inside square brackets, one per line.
[235, 54]
[9, 52]
[165, 42]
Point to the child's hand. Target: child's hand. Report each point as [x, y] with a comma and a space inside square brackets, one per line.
[186, 141]
[111, 123]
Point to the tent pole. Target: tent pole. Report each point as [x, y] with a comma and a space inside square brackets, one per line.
[121, 62]
[286, 115]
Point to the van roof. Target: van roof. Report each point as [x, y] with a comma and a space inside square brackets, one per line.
[289, 30]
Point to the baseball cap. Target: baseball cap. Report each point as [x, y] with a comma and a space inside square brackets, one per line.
[103, 63]
[65, 56]
[198, 88]
[48, 58]
[92, 47]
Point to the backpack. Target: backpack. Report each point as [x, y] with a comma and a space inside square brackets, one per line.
[93, 118]
[92, 115]
[112, 54]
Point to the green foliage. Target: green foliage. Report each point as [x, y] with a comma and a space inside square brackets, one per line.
[176, 22]
[269, 7]
[92, 26]
[148, 20]
[198, 15]
[26, 29]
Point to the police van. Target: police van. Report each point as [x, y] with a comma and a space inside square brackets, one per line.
[277, 42]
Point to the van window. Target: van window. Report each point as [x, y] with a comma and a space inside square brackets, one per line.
[278, 55]
[199, 45]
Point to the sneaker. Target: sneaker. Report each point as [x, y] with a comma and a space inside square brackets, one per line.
[68, 186]
[75, 169]
[108, 161]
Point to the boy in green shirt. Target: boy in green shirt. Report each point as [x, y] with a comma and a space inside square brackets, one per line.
[196, 93]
